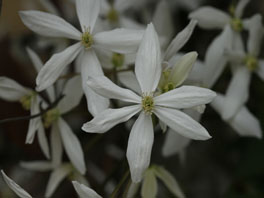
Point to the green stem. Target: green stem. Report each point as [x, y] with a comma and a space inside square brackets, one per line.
[122, 181]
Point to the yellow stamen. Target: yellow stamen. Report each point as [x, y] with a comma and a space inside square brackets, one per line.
[168, 87]
[236, 24]
[50, 117]
[87, 39]
[26, 100]
[112, 15]
[251, 62]
[147, 104]
[118, 60]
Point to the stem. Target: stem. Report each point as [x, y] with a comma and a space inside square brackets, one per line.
[33, 116]
[115, 192]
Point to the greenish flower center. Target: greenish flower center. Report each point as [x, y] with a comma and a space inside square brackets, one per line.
[26, 100]
[87, 39]
[148, 104]
[168, 87]
[118, 60]
[50, 117]
[112, 15]
[251, 62]
[236, 24]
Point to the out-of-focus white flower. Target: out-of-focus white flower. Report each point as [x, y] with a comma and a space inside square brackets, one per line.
[118, 40]
[15, 187]
[84, 191]
[164, 106]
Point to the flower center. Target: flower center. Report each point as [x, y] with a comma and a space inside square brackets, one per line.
[251, 62]
[87, 39]
[147, 104]
[51, 116]
[118, 60]
[236, 24]
[112, 15]
[168, 87]
[26, 100]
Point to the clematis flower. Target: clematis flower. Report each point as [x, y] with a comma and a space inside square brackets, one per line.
[118, 40]
[164, 106]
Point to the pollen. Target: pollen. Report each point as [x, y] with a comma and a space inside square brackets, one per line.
[50, 117]
[26, 100]
[251, 62]
[87, 39]
[112, 16]
[148, 104]
[236, 24]
[118, 60]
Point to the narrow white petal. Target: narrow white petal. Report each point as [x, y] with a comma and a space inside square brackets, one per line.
[179, 41]
[105, 7]
[174, 143]
[255, 28]
[260, 69]
[182, 68]
[37, 63]
[35, 122]
[148, 61]
[210, 18]
[130, 81]
[109, 118]
[72, 146]
[16, 188]
[119, 40]
[215, 60]
[49, 25]
[139, 146]
[235, 57]
[170, 182]
[56, 145]
[84, 191]
[55, 65]
[237, 92]
[90, 66]
[56, 178]
[105, 87]
[185, 97]
[240, 8]
[73, 94]
[11, 91]
[43, 142]
[87, 11]
[149, 186]
[37, 165]
[182, 123]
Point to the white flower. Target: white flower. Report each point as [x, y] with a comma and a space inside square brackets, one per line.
[118, 40]
[84, 191]
[164, 106]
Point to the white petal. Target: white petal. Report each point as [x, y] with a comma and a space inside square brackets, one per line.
[105, 6]
[37, 63]
[56, 178]
[240, 8]
[255, 29]
[169, 181]
[149, 186]
[49, 25]
[215, 60]
[109, 118]
[87, 11]
[72, 146]
[37, 165]
[73, 94]
[260, 69]
[105, 87]
[181, 68]
[210, 18]
[139, 146]
[35, 122]
[132, 190]
[185, 97]
[237, 92]
[174, 143]
[43, 142]
[16, 188]
[246, 124]
[90, 66]
[148, 62]
[11, 91]
[119, 40]
[129, 80]
[56, 145]
[84, 191]
[55, 65]
[182, 123]
[179, 41]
